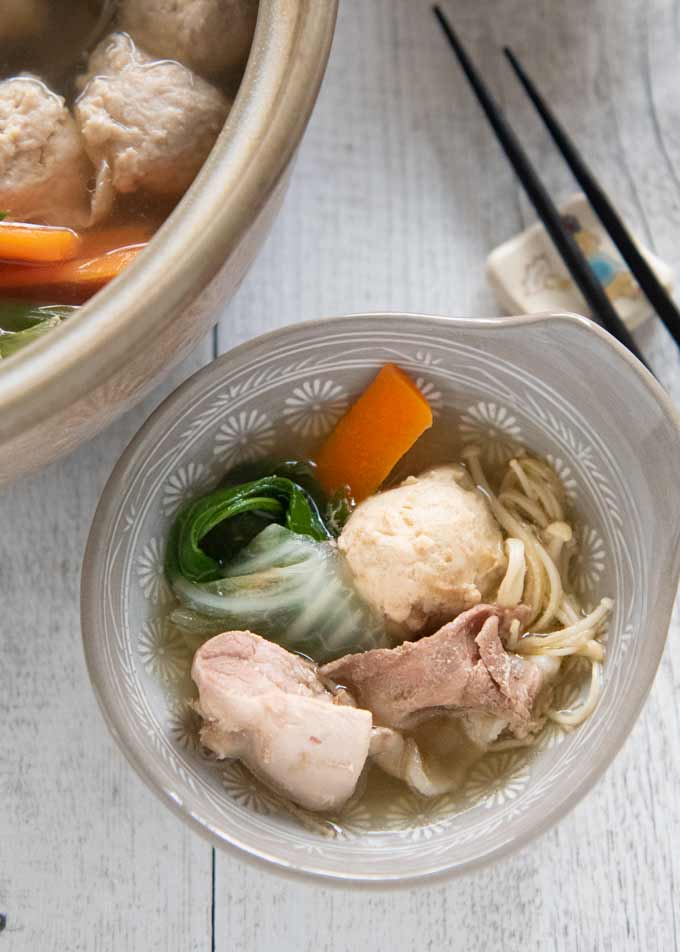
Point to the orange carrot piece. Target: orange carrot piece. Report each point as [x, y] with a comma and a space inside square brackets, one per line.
[84, 276]
[374, 434]
[37, 244]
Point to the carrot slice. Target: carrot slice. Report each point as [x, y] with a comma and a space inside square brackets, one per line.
[37, 244]
[374, 434]
[72, 281]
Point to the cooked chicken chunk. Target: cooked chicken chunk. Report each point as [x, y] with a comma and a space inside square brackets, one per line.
[208, 36]
[400, 756]
[268, 707]
[146, 124]
[44, 171]
[425, 551]
[463, 668]
[432, 760]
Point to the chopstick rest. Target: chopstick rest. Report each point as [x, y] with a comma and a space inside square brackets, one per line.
[529, 276]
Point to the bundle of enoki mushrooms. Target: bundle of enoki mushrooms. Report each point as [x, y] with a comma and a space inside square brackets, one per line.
[540, 545]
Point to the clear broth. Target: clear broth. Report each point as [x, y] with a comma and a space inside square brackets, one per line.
[383, 803]
[79, 25]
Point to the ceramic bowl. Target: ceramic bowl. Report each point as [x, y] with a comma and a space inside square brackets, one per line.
[557, 384]
[71, 384]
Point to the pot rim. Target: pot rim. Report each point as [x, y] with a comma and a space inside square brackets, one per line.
[271, 110]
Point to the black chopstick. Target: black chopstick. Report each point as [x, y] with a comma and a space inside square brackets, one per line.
[591, 289]
[605, 211]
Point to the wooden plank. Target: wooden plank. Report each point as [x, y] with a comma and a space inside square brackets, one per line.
[399, 193]
[89, 860]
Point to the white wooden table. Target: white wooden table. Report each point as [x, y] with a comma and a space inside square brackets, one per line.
[398, 194]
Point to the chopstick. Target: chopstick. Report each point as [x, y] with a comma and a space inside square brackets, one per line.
[591, 289]
[654, 291]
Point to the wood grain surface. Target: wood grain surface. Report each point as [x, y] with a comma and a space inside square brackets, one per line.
[399, 193]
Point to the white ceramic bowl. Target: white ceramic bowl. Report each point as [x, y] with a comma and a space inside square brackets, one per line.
[558, 384]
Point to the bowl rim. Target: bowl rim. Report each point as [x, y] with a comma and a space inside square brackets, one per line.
[97, 543]
[273, 104]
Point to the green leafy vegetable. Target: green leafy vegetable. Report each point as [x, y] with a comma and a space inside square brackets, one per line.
[266, 500]
[337, 511]
[302, 472]
[286, 587]
[3, 216]
[22, 322]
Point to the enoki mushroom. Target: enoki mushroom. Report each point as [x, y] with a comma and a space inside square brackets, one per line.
[540, 543]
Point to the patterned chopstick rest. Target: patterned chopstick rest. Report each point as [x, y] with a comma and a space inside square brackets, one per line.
[529, 276]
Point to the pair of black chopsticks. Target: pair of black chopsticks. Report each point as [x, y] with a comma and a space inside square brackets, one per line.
[591, 289]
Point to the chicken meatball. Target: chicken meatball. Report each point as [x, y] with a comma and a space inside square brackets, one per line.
[425, 551]
[44, 170]
[146, 124]
[209, 36]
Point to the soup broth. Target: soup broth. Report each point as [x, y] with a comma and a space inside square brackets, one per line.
[28, 29]
[491, 685]
[100, 137]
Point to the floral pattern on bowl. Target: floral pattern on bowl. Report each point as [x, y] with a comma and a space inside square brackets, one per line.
[498, 383]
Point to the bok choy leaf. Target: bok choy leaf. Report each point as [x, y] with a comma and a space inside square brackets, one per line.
[209, 532]
[22, 322]
[287, 587]
[301, 472]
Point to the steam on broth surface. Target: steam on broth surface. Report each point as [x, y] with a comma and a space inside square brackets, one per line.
[99, 138]
[443, 641]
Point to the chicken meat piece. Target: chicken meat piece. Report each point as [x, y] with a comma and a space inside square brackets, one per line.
[425, 551]
[208, 36]
[44, 170]
[268, 707]
[463, 669]
[146, 124]
[432, 760]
